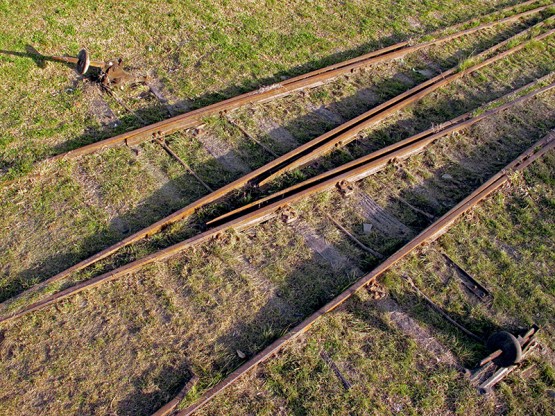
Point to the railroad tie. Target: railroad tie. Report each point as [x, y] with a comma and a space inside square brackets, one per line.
[101, 109]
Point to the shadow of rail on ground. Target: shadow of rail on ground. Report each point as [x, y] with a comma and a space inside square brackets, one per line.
[157, 112]
[168, 381]
[313, 283]
[311, 125]
[304, 288]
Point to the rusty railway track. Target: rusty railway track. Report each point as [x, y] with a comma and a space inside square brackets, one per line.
[311, 79]
[303, 81]
[430, 234]
[338, 137]
[341, 134]
[399, 150]
[269, 207]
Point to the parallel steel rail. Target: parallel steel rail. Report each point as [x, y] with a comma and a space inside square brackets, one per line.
[430, 234]
[350, 172]
[348, 130]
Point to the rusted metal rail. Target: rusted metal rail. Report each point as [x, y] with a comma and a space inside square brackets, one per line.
[376, 159]
[431, 134]
[338, 137]
[278, 195]
[308, 80]
[169, 407]
[430, 234]
[356, 170]
[351, 128]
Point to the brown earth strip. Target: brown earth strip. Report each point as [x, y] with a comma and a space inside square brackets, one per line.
[421, 335]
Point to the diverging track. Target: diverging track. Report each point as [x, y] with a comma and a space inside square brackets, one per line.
[375, 161]
[428, 235]
[203, 305]
[308, 80]
[339, 136]
[269, 206]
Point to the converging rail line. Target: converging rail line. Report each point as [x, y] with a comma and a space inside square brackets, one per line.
[340, 135]
[430, 234]
[309, 80]
[279, 204]
[350, 172]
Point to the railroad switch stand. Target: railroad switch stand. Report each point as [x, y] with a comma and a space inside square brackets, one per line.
[110, 72]
[507, 351]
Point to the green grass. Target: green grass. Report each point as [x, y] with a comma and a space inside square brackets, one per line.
[128, 346]
[506, 243]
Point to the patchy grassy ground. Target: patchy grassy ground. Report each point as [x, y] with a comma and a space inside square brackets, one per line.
[127, 347]
[201, 51]
[123, 192]
[507, 243]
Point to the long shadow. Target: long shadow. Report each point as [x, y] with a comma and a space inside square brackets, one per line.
[441, 109]
[156, 113]
[39, 59]
[445, 188]
[169, 379]
[304, 128]
[156, 206]
[452, 182]
[297, 296]
[305, 296]
[370, 312]
[313, 283]
[399, 36]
